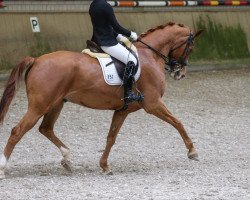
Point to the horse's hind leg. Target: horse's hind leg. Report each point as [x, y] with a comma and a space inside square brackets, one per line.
[117, 121]
[161, 111]
[26, 123]
[46, 128]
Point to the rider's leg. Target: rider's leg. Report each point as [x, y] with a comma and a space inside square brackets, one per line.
[121, 53]
[128, 80]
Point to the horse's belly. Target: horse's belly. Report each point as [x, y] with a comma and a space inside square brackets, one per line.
[95, 100]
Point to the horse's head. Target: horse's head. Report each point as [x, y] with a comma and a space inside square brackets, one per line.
[179, 53]
[173, 43]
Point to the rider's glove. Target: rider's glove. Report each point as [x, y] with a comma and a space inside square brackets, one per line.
[120, 37]
[133, 36]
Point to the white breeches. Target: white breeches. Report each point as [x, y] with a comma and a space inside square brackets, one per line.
[120, 53]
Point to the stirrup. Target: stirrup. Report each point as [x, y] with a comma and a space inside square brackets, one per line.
[131, 97]
[138, 98]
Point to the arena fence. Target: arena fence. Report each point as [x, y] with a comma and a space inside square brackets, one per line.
[178, 3]
[44, 26]
[1, 4]
[143, 3]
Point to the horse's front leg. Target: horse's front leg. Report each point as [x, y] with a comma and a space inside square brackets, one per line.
[117, 121]
[160, 110]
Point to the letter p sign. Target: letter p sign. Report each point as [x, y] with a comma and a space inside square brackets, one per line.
[34, 24]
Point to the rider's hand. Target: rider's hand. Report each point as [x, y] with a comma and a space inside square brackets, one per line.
[133, 36]
[120, 37]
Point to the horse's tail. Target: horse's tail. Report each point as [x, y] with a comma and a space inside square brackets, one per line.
[11, 85]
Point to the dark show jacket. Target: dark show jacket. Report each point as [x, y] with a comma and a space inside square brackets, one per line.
[105, 25]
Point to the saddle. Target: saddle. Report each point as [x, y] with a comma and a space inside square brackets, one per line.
[120, 66]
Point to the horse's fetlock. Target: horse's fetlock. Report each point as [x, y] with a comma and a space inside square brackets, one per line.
[103, 164]
[3, 162]
[65, 152]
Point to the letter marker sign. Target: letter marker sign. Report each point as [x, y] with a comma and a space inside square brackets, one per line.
[34, 24]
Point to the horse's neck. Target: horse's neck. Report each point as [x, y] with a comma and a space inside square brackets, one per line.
[160, 41]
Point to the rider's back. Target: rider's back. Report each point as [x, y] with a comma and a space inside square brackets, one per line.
[104, 23]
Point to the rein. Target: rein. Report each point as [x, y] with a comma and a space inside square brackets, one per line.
[165, 58]
[174, 64]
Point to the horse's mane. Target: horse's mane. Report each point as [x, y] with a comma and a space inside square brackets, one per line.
[159, 27]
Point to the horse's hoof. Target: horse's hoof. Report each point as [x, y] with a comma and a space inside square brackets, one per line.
[107, 172]
[2, 175]
[193, 155]
[67, 165]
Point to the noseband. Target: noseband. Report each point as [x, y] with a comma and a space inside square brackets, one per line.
[172, 64]
[178, 64]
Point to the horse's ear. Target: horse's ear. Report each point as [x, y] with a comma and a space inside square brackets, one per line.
[198, 33]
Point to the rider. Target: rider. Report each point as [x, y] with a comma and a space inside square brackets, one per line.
[106, 32]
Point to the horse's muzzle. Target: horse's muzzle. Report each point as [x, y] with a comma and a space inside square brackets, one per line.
[180, 74]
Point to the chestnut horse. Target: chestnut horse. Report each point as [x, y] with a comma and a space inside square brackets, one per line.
[75, 77]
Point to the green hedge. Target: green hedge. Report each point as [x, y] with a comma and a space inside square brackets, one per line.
[219, 42]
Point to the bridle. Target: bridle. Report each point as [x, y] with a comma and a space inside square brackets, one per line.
[172, 64]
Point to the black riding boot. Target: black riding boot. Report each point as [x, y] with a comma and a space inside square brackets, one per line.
[128, 80]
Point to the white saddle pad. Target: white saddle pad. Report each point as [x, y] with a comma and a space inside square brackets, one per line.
[110, 74]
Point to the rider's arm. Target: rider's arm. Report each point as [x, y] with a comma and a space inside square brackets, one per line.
[114, 23]
[115, 34]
